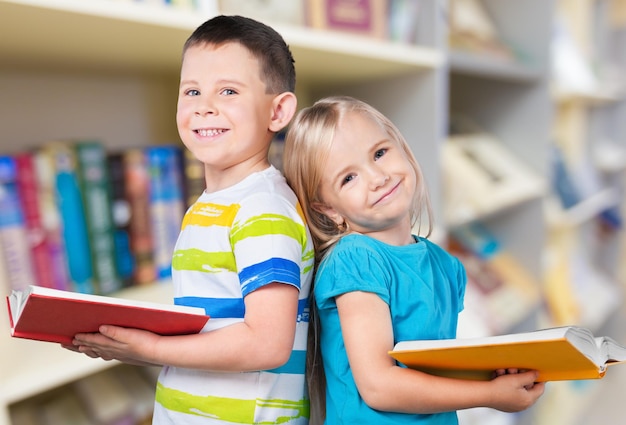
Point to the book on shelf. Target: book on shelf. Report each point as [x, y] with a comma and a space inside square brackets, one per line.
[558, 354]
[481, 177]
[137, 180]
[53, 315]
[14, 247]
[167, 205]
[363, 17]
[29, 203]
[120, 214]
[71, 210]
[473, 30]
[51, 217]
[93, 181]
[195, 182]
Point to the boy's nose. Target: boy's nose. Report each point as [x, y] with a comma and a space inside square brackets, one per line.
[205, 107]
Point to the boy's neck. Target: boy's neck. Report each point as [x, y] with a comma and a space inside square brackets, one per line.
[220, 179]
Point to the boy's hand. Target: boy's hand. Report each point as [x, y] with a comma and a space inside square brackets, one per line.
[116, 343]
[515, 390]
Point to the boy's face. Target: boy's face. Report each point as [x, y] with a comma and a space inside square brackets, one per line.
[224, 113]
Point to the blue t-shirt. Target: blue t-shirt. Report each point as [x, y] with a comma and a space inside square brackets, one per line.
[424, 288]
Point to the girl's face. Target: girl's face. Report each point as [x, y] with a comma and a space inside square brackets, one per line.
[368, 182]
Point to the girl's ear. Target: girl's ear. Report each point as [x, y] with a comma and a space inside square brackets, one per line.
[329, 212]
[283, 109]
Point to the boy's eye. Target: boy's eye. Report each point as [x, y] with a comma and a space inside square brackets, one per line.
[228, 92]
[192, 92]
[379, 153]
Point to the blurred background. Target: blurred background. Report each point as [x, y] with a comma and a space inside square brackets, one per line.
[516, 111]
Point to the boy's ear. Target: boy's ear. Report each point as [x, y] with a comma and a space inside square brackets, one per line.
[328, 211]
[283, 109]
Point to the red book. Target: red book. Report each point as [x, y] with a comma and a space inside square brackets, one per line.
[47, 314]
[29, 200]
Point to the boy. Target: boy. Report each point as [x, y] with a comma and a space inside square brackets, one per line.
[244, 252]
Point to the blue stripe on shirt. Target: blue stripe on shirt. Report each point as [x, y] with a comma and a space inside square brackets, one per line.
[273, 270]
[232, 308]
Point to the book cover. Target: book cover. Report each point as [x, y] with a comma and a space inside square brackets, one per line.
[563, 353]
[364, 17]
[52, 315]
[120, 213]
[14, 245]
[137, 188]
[166, 204]
[72, 213]
[51, 218]
[93, 180]
[36, 235]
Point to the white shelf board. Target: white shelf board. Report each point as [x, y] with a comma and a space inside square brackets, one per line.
[31, 367]
[467, 63]
[106, 36]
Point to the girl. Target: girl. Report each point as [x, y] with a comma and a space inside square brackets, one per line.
[362, 192]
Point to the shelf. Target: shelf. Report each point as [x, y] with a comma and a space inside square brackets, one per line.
[106, 36]
[31, 367]
[484, 66]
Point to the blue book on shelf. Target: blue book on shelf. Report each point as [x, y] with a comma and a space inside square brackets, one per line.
[72, 213]
[14, 246]
[166, 203]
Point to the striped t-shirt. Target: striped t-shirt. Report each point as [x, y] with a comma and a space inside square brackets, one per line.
[233, 242]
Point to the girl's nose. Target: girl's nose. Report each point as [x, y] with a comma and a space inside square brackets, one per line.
[378, 178]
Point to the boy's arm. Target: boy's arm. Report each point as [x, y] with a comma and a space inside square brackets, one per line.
[368, 336]
[263, 340]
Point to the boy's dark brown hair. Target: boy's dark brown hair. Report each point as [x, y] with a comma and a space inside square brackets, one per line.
[267, 45]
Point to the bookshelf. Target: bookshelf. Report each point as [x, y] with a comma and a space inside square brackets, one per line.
[108, 70]
[507, 98]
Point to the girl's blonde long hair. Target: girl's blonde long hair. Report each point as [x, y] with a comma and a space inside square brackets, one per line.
[307, 147]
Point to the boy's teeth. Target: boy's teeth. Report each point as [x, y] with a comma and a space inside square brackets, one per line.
[205, 133]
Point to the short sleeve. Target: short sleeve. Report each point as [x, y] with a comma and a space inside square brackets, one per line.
[351, 268]
[268, 239]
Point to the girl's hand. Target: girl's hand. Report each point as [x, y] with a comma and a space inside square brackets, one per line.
[515, 390]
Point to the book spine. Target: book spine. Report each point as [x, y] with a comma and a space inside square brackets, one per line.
[94, 187]
[120, 211]
[36, 235]
[195, 182]
[72, 213]
[13, 237]
[166, 204]
[365, 17]
[51, 218]
[137, 190]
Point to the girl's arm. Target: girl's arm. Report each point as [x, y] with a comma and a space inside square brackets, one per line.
[263, 340]
[368, 336]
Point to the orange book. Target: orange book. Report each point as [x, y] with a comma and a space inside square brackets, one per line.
[558, 354]
[53, 315]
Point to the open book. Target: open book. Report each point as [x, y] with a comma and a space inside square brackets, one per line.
[558, 354]
[53, 315]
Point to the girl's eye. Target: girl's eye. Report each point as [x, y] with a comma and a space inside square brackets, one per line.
[347, 179]
[192, 92]
[379, 153]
